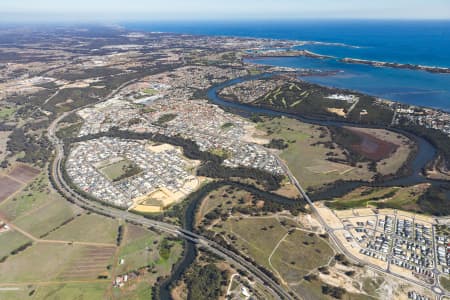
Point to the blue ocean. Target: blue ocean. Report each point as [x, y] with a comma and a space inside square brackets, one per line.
[415, 42]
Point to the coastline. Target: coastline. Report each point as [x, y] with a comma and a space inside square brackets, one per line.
[431, 69]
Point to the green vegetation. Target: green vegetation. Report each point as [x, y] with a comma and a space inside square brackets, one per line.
[11, 240]
[150, 92]
[256, 237]
[405, 198]
[277, 144]
[87, 228]
[6, 113]
[303, 98]
[435, 200]
[308, 153]
[69, 131]
[39, 262]
[35, 149]
[165, 248]
[80, 291]
[299, 253]
[445, 282]
[34, 195]
[142, 248]
[120, 170]
[165, 119]
[204, 282]
[227, 125]
[47, 217]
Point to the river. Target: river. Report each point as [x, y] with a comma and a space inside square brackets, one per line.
[426, 153]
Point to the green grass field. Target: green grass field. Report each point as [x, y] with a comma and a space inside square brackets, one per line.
[252, 239]
[307, 161]
[46, 217]
[445, 282]
[150, 92]
[138, 250]
[6, 113]
[88, 228]
[33, 196]
[10, 241]
[300, 253]
[84, 291]
[120, 170]
[40, 262]
[392, 197]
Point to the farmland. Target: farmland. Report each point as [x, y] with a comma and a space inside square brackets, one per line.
[87, 228]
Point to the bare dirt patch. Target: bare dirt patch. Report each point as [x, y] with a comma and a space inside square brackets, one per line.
[8, 186]
[24, 173]
[371, 146]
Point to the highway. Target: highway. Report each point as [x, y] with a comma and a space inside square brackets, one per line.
[341, 248]
[238, 261]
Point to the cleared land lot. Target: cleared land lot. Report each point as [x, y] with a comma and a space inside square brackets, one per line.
[87, 228]
[8, 186]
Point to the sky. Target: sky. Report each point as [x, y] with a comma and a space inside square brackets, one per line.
[151, 10]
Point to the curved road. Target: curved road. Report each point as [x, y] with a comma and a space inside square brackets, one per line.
[64, 189]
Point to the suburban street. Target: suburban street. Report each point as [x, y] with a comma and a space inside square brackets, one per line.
[435, 287]
[63, 187]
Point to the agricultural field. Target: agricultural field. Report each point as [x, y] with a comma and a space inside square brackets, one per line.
[47, 217]
[10, 241]
[48, 262]
[94, 290]
[150, 254]
[15, 179]
[405, 198]
[120, 170]
[8, 187]
[23, 173]
[33, 196]
[88, 228]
